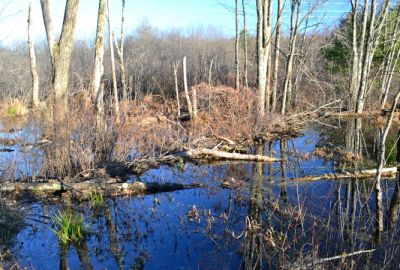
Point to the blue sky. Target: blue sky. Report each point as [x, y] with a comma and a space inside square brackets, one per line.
[163, 14]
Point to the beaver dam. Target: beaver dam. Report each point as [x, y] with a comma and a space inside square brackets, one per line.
[305, 209]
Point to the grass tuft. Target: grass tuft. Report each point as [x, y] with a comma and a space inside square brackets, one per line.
[70, 227]
[96, 200]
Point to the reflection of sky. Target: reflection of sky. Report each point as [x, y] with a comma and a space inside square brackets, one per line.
[164, 14]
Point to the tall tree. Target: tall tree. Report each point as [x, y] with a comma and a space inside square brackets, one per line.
[237, 81]
[294, 25]
[61, 53]
[245, 76]
[373, 34]
[263, 50]
[114, 77]
[32, 58]
[120, 52]
[276, 57]
[98, 86]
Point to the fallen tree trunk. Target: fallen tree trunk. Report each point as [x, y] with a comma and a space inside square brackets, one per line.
[216, 154]
[348, 114]
[386, 172]
[107, 186]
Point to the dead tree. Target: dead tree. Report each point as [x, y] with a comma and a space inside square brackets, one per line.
[98, 86]
[392, 59]
[237, 81]
[175, 66]
[120, 52]
[381, 163]
[60, 53]
[373, 34]
[32, 58]
[245, 75]
[294, 24]
[263, 50]
[114, 78]
[276, 57]
[185, 85]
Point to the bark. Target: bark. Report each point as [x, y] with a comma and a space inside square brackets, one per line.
[276, 57]
[355, 57]
[215, 154]
[237, 81]
[263, 49]
[48, 24]
[98, 87]
[103, 186]
[391, 60]
[61, 53]
[32, 58]
[364, 174]
[194, 98]
[175, 66]
[294, 23]
[114, 78]
[381, 163]
[189, 103]
[246, 83]
[395, 201]
[120, 52]
[372, 40]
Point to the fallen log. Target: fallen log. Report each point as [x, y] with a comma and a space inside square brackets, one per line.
[387, 173]
[107, 186]
[348, 114]
[216, 154]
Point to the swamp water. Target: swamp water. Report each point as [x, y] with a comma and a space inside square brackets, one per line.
[268, 221]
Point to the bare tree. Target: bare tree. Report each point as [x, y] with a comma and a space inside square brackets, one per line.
[237, 66]
[98, 86]
[175, 66]
[276, 57]
[114, 78]
[392, 58]
[294, 24]
[185, 85]
[60, 54]
[246, 83]
[120, 52]
[374, 32]
[263, 49]
[32, 58]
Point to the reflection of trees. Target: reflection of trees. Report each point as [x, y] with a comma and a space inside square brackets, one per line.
[253, 247]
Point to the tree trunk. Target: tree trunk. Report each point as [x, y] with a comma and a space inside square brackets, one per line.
[98, 85]
[120, 52]
[237, 81]
[114, 78]
[32, 58]
[263, 47]
[175, 66]
[372, 41]
[246, 83]
[276, 57]
[391, 60]
[381, 164]
[61, 53]
[294, 23]
[189, 103]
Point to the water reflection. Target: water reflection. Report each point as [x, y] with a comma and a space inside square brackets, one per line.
[269, 222]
